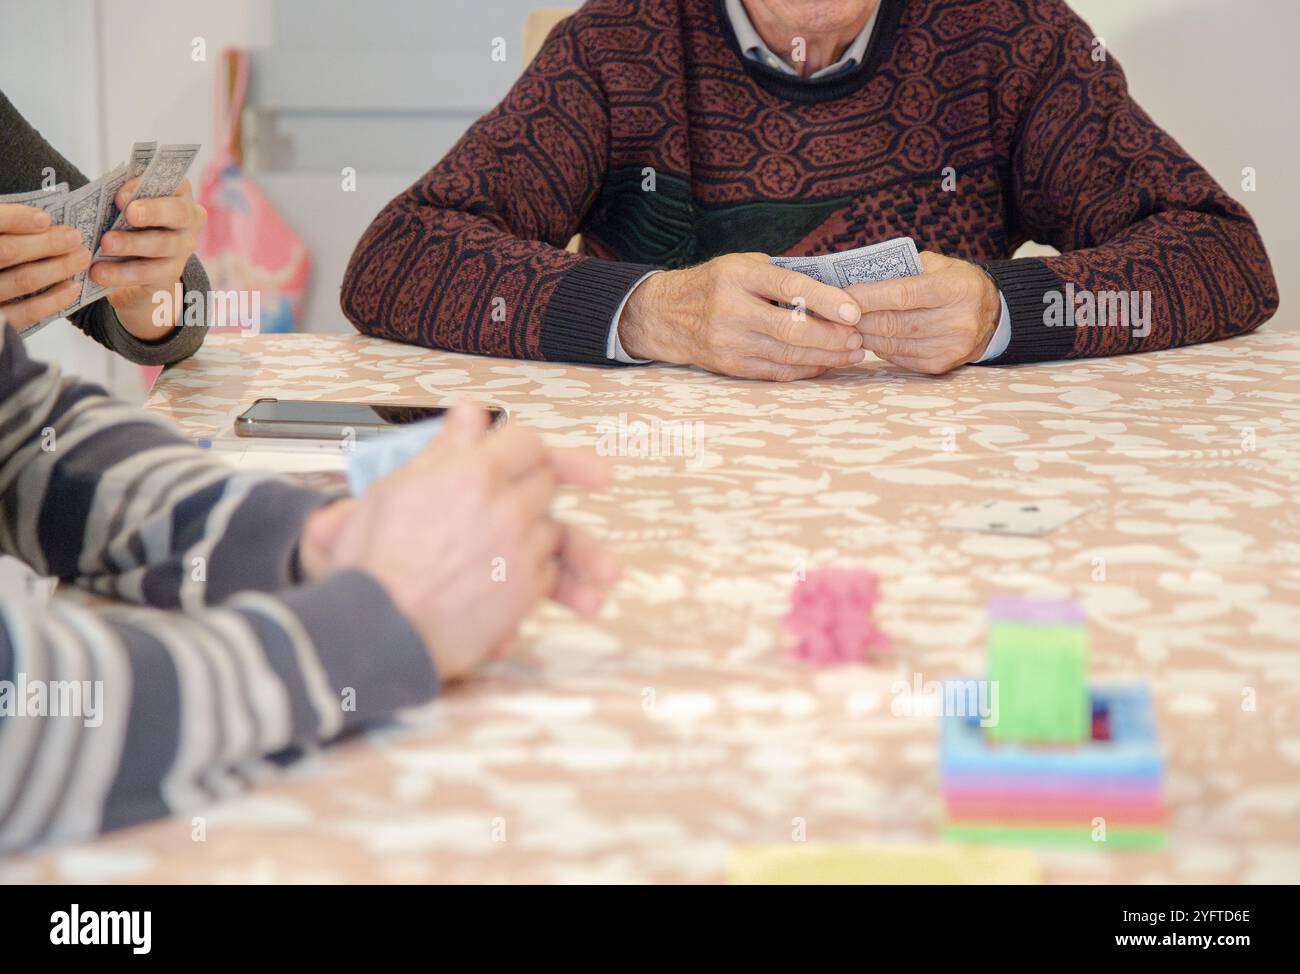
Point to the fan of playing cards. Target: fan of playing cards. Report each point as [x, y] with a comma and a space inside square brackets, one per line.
[91, 210]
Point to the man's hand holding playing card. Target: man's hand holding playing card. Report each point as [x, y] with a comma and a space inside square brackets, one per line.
[933, 323]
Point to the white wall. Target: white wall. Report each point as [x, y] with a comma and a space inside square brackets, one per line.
[64, 108]
[153, 87]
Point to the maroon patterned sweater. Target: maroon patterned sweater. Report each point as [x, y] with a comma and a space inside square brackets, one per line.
[1042, 138]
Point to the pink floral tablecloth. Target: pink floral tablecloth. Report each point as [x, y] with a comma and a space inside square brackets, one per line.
[645, 745]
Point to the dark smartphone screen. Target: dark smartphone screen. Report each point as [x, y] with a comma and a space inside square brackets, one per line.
[342, 413]
[297, 417]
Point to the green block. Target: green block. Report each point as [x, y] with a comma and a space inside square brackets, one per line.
[1040, 670]
[1129, 838]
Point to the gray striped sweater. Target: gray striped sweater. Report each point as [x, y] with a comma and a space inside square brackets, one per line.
[227, 658]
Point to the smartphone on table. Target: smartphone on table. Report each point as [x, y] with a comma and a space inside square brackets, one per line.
[305, 419]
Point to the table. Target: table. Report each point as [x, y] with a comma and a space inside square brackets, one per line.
[643, 745]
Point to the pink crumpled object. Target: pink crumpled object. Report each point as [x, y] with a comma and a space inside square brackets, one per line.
[831, 618]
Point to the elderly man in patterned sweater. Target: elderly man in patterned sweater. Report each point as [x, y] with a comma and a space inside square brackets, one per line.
[687, 140]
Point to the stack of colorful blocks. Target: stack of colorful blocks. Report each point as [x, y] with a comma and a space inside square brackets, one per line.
[1056, 761]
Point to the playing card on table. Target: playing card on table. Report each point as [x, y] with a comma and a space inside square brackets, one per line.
[1031, 519]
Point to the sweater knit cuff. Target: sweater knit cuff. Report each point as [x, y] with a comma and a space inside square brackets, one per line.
[364, 643]
[575, 327]
[1024, 283]
[101, 323]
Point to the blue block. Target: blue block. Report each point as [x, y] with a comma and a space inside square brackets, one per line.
[1132, 754]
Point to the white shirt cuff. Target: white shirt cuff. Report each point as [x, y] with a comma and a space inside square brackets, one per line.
[614, 347]
[1001, 337]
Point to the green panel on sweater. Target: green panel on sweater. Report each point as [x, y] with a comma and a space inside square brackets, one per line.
[665, 226]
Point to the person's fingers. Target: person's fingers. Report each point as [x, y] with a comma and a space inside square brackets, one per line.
[587, 572]
[580, 468]
[464, 424]
[168, 212]
[548, 574]
[891, 348]
[790, 287]
[146, 243]
[803, 330]
[760, 368]
[20, 218]
[541, 545]
[320, 536]
[765, 346]
[323, 527]
[925, 364]
[29, 311]
[921, 323]
[530, 497]
[124, 194]
[579, 594]
[582, 554]
[928, 357]
[23, 248]
[515, 451]
[137, 270]
[902, 294]
[540, 557]
[37, 275]
[123, 197]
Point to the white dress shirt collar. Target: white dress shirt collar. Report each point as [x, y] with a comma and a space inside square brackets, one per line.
[756, 50]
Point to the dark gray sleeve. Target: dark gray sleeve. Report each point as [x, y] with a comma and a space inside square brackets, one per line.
[100, 322]
[23, 160]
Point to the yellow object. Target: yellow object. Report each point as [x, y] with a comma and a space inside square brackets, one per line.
[538, 25]
[796, 863]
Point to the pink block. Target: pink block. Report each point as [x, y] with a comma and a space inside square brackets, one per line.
[1076, 809]
[831, 619]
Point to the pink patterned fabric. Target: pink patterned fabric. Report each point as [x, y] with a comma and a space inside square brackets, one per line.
[247, 246]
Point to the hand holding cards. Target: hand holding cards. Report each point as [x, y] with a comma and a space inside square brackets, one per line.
[725, 315]
[91, 211]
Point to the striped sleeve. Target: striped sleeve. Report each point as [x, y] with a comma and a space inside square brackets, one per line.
[110, 717]
[113, 499]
